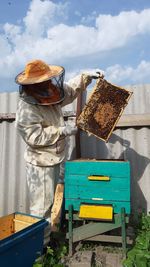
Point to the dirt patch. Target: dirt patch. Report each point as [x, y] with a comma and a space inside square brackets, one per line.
[98, 257]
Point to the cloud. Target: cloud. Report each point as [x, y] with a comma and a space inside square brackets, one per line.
[110, 32]
[116, 31]
[42, 15]
[122, 74]
[45, 34]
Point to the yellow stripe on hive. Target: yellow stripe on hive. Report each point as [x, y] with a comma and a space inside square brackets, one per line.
[96, 212]
[99, 178]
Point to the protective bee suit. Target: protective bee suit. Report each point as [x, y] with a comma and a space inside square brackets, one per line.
[43, 129]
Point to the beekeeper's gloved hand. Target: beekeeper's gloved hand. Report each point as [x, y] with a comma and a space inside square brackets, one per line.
[95, 74]
[89, 75]
[68, 130]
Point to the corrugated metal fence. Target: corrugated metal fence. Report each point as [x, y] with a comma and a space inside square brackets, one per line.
[128, 143]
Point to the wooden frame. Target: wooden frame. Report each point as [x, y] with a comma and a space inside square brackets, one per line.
[103, 109]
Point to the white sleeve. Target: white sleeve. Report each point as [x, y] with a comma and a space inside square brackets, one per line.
[72, 88]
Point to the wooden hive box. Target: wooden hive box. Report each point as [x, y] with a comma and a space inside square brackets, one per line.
[103, 109]
[21, 239]
[99, 182]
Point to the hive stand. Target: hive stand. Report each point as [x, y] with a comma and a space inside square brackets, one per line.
[94, 231]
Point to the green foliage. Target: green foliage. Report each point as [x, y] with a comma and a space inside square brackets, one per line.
[52, 257]
[139, 255]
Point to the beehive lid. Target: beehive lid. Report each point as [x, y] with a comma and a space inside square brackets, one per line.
[103, 109]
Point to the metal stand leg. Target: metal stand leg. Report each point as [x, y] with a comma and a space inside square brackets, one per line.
[124, 243]
[70, 230]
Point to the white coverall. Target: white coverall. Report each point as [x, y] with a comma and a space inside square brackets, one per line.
[39, 127]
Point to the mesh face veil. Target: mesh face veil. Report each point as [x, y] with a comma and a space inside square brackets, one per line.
[44, 93]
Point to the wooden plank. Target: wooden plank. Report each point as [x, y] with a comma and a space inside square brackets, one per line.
[109, 238]
[19, 225]
[99, 192]
[77, 136]
[123, 232]
[98, 167]
[105, 238]
[95, 228]
[75, 217]
[7, 116]
[134, 120]
[129, 120]
[26, 218]
[12, 116]
[56, 209]
[6, 226]
[82, 180]
[70, 228]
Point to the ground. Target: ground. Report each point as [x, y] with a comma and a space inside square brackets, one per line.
[97, 257]
[93, 254]
[86, 253]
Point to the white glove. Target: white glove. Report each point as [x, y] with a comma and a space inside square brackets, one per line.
[95, 74]
[68, 130]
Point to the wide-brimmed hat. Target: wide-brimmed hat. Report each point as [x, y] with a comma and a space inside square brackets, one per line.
[37, 71]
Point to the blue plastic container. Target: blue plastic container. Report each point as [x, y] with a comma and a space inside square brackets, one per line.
[22, 247]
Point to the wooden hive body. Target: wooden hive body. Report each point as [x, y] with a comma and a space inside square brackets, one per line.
[103, 109]
[86, 182]
[21, 239]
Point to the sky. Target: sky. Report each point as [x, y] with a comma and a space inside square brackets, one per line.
[80, 35]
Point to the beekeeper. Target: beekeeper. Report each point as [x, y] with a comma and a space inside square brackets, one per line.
[40, 122]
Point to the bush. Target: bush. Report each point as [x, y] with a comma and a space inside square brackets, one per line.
[139, 255]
